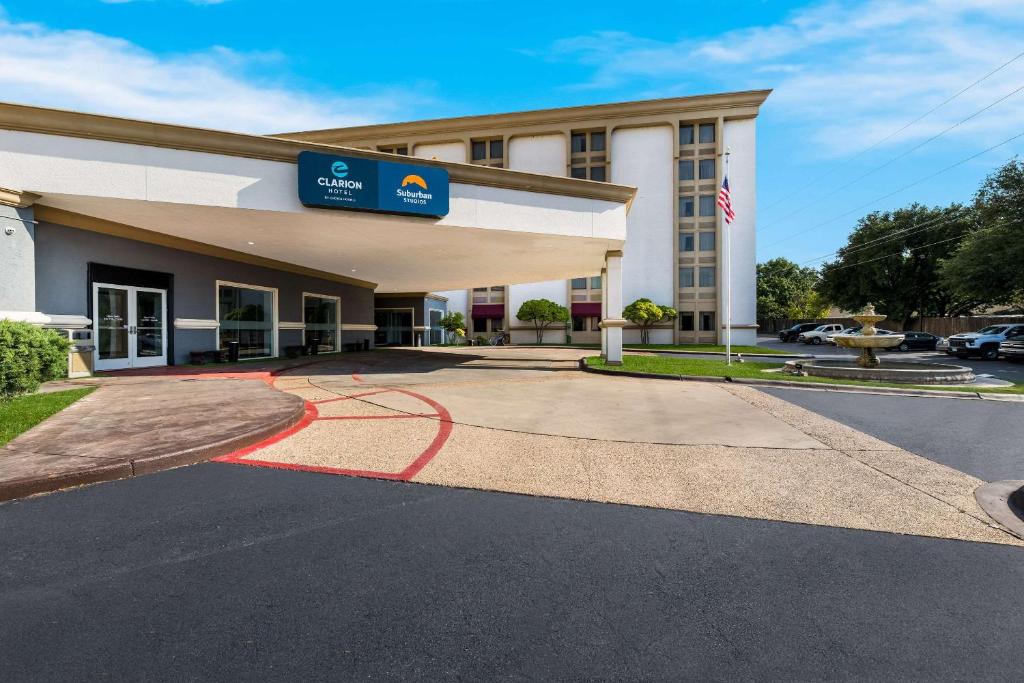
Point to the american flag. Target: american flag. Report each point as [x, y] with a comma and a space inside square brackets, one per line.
[725, 201]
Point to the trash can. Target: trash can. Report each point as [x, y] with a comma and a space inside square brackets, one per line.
[366, 345]
[232, 352]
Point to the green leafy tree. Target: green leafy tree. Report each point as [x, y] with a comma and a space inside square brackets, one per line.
[785, 290]
[646, 314]
[542, 314]
[454, 325]
[891, 260]
[986, 268]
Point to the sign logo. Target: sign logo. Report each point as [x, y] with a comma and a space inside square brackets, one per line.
[339, 169]
[414, 179]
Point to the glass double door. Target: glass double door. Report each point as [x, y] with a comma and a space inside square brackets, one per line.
[129, 326]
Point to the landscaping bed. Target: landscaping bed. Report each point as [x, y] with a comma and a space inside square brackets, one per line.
[715, 368]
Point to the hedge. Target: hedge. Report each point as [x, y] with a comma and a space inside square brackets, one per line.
[30, 355]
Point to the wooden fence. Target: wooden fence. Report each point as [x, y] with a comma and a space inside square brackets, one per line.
[942, 327]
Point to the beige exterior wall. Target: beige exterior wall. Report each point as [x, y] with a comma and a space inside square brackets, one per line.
[442, 151]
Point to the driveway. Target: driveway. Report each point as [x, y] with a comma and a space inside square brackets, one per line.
[525, 420]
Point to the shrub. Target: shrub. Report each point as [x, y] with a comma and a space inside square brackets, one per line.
[30, 355]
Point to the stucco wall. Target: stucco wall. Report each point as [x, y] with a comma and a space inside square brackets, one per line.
[741, 137]
[538, 154]
[17, 261]
[442, 151]
[643, 157]
[63, 255]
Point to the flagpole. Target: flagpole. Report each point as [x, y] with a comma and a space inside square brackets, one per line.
[728, 275]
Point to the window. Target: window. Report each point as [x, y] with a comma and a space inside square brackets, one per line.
[480, 325]
[686, 241]
[579, 143]
[488, 152]
[707, 205]
[320, 315]
[579, 323]
[707, 169]
[707, 241]
[589, 158]
[686, 169]
[247, 315]
[685, 133]
[686, 321]
[707, 133]
[595, 282]
[685, 278]
[394, 149]
[707, 276]
[707, 321]
[686, 207]
[579, 283]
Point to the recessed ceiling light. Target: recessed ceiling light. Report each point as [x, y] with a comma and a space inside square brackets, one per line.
[353, 270]
[251, 243]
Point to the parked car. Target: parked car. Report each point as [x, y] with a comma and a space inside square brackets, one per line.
[985, 342]
[792, 333]
[918, 341]
[1013, 349]
[818, 334]
[831, 337]
[942, 345]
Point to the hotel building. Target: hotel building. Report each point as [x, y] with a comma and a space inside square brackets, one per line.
[671, 150]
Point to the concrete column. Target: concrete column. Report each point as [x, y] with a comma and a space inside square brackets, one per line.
[613, 323]
[604, 312]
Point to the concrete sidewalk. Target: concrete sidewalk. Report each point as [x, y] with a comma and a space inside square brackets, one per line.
[138, 424]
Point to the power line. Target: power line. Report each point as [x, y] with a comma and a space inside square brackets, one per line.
[931, 223]
[864, 151]
[897, 191]
[897, 253]
[896, 158]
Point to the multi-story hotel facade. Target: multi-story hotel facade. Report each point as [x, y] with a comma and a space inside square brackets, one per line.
[673, 151]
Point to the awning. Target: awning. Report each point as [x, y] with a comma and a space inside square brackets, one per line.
[586, 310]
[488, 310]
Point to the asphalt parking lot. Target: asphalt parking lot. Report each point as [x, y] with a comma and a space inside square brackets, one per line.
[1000, 369]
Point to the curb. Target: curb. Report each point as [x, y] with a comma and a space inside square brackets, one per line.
[20, 488]
[680, 352]
[1003, 501]
[822, 386]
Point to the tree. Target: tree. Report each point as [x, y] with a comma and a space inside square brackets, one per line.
[785, 290]
[647, 314]
[454, 325]
[986, 267]
[892, 261]
[542, 314]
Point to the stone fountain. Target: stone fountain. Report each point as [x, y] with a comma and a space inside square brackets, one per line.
[868, 340]
[868, 365]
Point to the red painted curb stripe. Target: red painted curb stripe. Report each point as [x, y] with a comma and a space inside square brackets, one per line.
[307, 419]
[403, 416]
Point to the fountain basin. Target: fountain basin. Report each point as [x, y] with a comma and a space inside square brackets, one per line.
[898, 372]
[861, 341]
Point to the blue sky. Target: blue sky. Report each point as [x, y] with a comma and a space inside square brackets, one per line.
[846, 75]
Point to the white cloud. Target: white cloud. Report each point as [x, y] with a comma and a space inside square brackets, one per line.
[846, 74]
[215, 88]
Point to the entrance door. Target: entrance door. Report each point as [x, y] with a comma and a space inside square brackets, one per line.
[130, 326]
[394, 327]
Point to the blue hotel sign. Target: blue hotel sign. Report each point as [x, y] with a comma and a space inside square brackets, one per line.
[336, 182]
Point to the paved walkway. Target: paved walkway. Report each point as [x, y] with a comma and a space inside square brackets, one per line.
[525, 421]
[134, 424]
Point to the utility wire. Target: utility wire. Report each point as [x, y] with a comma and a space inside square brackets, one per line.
[897, 191]
[896, 158]
[864, 151]
[897, 253]
[931, 223]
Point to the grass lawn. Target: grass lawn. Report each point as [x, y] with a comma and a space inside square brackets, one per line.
[719, 348]
[25, 412]
[703, 367]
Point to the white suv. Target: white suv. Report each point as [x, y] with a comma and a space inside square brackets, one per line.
[819, 333]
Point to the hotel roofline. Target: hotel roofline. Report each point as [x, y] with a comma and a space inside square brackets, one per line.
[733, 105]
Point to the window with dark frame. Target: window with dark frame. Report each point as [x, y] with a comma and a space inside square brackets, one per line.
[686, 277]
[707, 133]
[488, 152]
[588, 151]
[685, 169]
[686, 134]
[686, 321]
[707, 321]
[686, 241]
